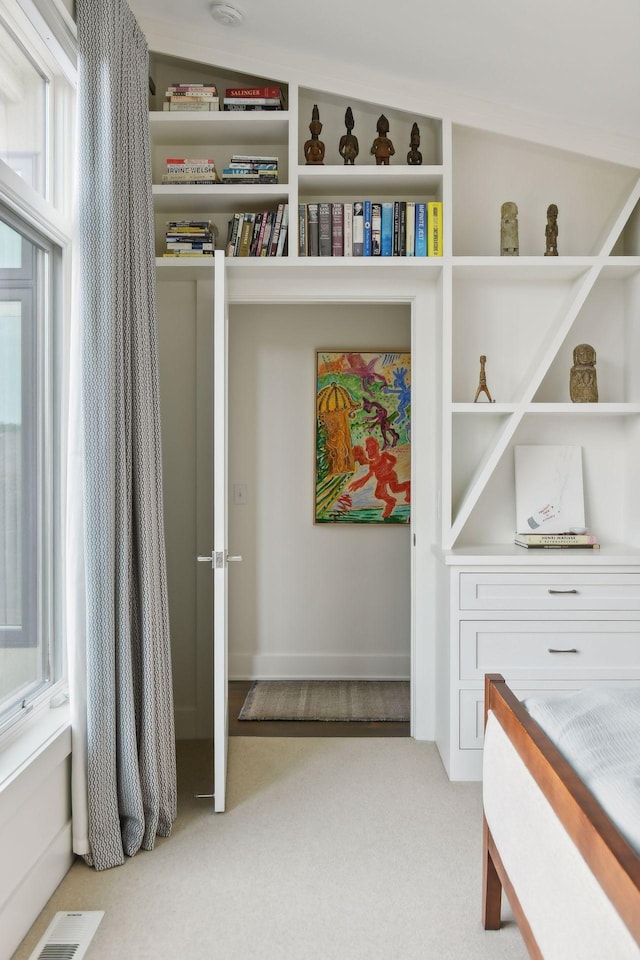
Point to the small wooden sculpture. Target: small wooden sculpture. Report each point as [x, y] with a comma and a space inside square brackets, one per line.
[314, 148]
[509, 244]
[551, 231]
[382, 148]
[348, 147]
[482, 385]
[414, 156]
[583, 384]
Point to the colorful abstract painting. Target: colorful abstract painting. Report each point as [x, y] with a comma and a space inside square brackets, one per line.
[363, 437]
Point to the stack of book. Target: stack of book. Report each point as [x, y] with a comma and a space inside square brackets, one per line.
[190, 171]
[556, 541]
[191, 96]
[253, 98]
[244, 168]
[258, 234]
[190, 238]
[366, 228]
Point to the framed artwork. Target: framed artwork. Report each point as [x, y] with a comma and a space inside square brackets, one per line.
[363, 437]
[549, 491]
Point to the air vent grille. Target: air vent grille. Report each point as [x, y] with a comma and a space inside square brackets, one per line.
[68, 935]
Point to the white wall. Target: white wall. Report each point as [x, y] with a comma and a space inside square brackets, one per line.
[308, 601]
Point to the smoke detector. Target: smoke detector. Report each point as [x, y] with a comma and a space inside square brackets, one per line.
[225, 14]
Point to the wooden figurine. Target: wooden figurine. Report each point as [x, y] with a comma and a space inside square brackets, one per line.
[551, 231]
[348, 147]
[482, 385]
[583, 384]
[314, 148]
[414, 157]
[382, 148]
[509, 244]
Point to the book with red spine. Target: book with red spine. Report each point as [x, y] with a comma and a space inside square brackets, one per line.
[259, 92]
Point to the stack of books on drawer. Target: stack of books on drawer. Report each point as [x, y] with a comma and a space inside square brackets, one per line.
[191, 96]
[190, 238]
[557, 541]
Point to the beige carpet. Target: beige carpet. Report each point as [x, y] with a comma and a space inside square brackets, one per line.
[357, 700]
[331, 849]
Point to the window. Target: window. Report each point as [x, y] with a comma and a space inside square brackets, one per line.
[23, 112]
[36, 144]
[27, 483]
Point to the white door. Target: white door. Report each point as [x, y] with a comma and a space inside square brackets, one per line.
[220, 556]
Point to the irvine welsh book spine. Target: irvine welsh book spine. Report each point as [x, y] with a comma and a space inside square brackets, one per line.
[337, 230]
[420, 240]
[366, 238]
[312, 229]
[358, 228]
[434, 228]
[348, 229]
[386, 230]
[324, 229]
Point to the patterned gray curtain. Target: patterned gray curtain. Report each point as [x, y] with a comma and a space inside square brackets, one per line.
[130, 749]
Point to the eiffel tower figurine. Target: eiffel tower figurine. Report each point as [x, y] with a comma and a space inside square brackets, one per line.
[482, 385]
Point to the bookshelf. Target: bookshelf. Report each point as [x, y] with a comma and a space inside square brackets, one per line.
[524, 313]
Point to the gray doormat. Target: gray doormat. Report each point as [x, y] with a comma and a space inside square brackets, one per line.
[355, 700]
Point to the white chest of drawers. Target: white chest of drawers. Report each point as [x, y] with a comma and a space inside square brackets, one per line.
[547, 623]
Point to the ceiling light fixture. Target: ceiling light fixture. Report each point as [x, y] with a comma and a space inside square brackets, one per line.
[225, 14]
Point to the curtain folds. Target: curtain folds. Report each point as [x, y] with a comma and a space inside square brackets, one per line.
[124, 780]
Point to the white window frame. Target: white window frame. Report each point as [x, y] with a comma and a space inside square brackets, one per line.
[46, 31]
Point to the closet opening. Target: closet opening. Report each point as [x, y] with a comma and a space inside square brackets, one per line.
[311, 600]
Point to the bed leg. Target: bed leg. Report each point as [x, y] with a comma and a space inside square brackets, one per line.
[491, 886]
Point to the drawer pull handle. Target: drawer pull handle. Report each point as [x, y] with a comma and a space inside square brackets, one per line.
[568, 650]
[561, 591]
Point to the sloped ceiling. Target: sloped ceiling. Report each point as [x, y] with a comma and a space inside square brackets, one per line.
[572, 60]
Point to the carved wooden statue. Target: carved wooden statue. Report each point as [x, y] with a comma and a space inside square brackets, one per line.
[314, 148]
[551, 231]
[414, 156]
[348, 147]
[509, 244]
[583, 384]
[482, 385]
[382, 148]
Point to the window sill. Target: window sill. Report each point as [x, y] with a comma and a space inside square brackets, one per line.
[42, 743]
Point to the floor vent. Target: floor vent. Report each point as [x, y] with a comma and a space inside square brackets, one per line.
[68, 935]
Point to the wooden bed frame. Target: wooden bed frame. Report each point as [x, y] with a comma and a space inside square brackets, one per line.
[611, 859]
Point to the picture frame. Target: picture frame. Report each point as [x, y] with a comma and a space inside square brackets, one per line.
[549, 488]
[363, 437]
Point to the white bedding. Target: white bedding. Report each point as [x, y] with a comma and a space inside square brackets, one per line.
[598, 732]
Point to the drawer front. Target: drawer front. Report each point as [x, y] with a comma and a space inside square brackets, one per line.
[471, 731]
[550, 592]
[550, 649]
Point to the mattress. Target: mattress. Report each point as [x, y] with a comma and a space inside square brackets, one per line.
[598, 732]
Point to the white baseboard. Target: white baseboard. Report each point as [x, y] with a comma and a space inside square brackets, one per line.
[366, 666]
[22, 908]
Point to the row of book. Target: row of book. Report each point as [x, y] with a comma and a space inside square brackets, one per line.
[204, 96]
[190, 170]
[190, 238]
[244, 168]
[254, 98]
[366, 228]
[191, 97]
[556, 541]
[258, 234]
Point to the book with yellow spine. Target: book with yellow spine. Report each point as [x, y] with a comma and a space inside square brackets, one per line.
[434, 228]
